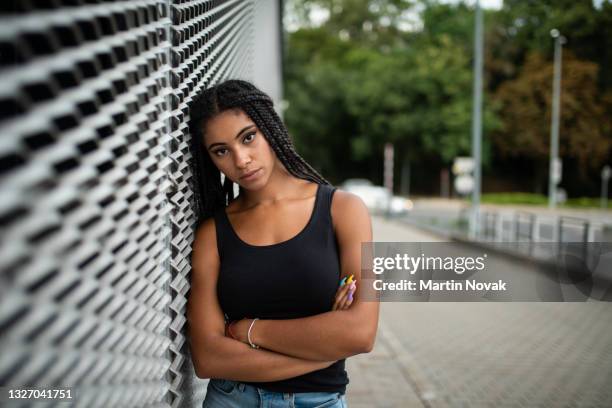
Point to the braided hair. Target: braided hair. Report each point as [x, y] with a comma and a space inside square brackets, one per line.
[210, 194]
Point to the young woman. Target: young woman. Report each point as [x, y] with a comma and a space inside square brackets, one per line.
[273, 311]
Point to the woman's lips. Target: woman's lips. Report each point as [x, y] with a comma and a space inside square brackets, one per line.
[251, 176]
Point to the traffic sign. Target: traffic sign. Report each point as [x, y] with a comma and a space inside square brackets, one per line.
[463, 165]
[464, 184]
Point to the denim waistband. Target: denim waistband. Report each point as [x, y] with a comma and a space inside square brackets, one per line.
[231, 393]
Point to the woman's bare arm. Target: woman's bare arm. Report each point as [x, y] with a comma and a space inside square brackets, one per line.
[337, 334]
[213, 354]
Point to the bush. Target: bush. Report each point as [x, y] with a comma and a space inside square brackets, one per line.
[514, 198]
[539, 199]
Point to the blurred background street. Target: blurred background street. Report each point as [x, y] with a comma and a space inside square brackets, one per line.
[481, 102]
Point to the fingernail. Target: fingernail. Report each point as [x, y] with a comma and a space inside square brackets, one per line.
[343, 281]
[352, 287]
[350, 296]
[350, 279]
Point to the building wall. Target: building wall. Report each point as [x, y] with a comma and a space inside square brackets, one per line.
[267, 64]
[96, 213]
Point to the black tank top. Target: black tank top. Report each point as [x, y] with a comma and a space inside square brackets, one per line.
[292, 279]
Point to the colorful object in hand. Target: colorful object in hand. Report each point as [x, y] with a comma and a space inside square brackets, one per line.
[346, 280]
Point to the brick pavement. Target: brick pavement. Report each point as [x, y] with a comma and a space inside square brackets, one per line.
[378, 379]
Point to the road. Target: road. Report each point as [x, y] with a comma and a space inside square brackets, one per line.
[483, 354]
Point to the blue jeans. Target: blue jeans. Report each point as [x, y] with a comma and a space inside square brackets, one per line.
[233, 394]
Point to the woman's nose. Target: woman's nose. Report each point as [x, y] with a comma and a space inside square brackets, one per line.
[242, 160]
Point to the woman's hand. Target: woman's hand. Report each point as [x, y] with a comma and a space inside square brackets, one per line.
[344, 294]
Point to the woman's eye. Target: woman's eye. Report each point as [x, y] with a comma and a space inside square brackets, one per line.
[220, 152]
[249, 138]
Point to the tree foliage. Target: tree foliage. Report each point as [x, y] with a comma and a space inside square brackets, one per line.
[372, 73]
[526, 108]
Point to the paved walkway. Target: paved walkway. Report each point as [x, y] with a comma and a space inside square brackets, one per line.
[484, 354]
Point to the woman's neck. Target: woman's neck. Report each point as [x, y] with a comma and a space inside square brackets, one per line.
[279, 187]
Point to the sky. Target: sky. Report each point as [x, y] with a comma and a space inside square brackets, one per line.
[490, 4]
[497, 4]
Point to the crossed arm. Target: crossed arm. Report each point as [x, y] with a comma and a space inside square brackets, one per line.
[288, 347]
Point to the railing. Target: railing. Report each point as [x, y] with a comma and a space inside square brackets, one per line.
[523, 226]
[524, 233]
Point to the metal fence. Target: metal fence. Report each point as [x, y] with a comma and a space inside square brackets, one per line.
[523, 226]
[96, 205]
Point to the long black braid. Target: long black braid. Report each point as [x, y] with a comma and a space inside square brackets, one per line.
[210, 194]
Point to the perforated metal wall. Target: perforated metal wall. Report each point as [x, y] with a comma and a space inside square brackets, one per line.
[95, 200]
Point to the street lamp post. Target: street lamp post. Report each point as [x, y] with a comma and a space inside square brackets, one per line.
[554, 172]
[477, 118]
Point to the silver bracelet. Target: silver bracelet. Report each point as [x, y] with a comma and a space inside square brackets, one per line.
[255, 346]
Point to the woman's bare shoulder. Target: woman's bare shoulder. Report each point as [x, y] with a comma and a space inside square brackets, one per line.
[206, 227]
[343, 200]
[348, 208]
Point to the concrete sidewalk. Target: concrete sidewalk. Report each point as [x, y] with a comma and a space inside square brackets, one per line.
[484, 354]
[383, 377]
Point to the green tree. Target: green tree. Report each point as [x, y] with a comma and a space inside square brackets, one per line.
[526, 109]
[418, 99]
[350, 91]
[518, 45]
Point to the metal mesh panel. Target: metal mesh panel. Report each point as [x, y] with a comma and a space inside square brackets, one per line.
[96, 211]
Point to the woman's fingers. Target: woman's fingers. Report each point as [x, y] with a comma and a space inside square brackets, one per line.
[348, 298]
[344, 296]
[340, 293]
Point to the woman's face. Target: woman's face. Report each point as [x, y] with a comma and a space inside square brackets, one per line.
[238, 149]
